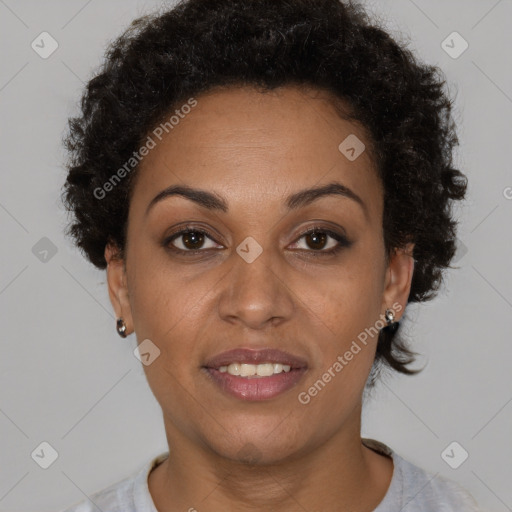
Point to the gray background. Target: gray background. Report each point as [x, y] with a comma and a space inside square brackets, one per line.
[68, 379]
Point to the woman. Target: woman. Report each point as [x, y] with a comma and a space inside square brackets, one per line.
[268, 184]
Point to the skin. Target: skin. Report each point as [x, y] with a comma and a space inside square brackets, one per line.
[254, 149]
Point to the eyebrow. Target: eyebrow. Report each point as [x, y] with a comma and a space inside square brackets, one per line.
[297, 200]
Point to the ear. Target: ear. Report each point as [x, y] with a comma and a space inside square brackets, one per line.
[398, 280]
[117, 286]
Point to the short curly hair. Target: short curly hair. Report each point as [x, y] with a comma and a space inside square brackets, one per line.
[168, 56]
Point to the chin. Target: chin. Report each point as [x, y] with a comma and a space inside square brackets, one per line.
[259, 448]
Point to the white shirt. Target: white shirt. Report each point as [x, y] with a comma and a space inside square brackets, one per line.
[412, 489]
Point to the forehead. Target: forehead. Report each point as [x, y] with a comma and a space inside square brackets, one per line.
[249, 145]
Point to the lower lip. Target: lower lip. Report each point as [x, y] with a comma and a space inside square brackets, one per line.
[256, 388]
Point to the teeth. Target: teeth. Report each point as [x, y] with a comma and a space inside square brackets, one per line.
[265, 370]
[278, 367]
[246, 370]
[255, 370]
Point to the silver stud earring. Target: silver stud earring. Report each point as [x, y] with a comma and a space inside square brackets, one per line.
[390, 315]
[121, 328]
[391, 326]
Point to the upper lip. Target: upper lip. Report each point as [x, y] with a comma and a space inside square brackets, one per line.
[255, 356]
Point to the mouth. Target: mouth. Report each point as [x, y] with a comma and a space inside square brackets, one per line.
[249, 374]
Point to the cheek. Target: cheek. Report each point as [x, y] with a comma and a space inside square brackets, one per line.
[166, 310]
[174, 311]
[346, 309]
[161, 295]
[346, 301]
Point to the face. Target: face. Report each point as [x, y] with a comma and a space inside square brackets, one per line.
[243, 275]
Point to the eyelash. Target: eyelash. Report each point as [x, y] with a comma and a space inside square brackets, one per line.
[343, 242]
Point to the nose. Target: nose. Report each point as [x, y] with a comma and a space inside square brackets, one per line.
[256, 293]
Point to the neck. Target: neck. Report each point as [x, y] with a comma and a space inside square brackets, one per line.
[341, 474]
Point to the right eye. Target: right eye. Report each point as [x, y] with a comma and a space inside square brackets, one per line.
[191, 240]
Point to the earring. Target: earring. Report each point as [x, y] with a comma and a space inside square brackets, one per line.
[391, 326]
[121, 328]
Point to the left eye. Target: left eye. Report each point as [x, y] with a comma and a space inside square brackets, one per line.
[317, 238]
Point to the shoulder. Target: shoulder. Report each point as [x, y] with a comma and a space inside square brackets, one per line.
[434, 492]
[114, 498]
[414, 489]
[128, 495]
[426, 491]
